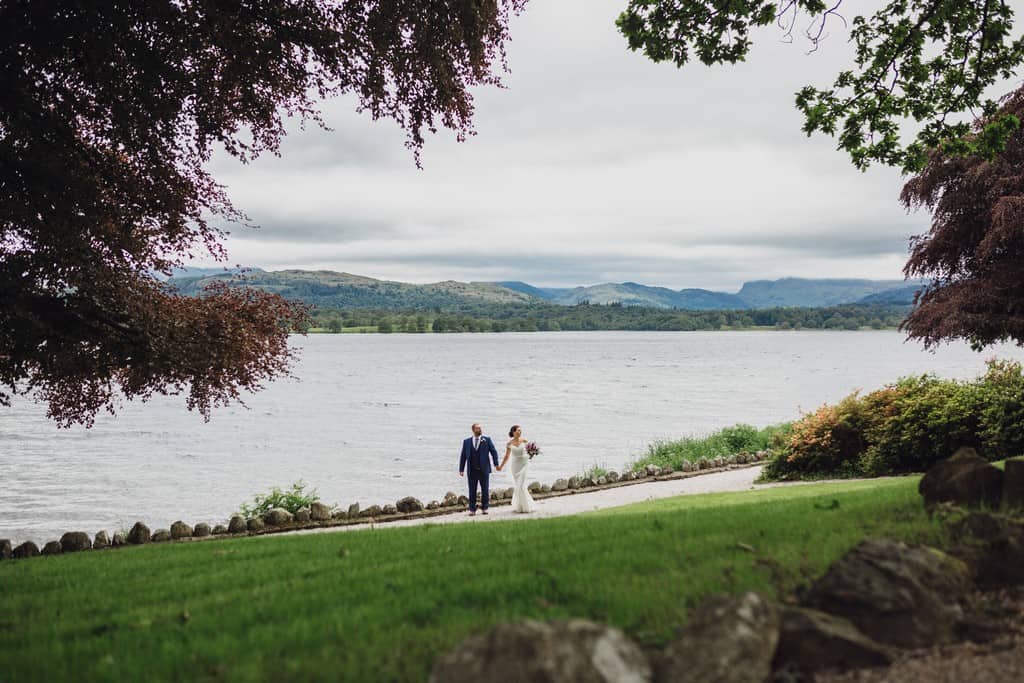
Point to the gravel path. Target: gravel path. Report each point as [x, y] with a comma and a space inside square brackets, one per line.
[717, 482]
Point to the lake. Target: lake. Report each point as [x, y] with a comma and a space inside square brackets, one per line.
[372, 418]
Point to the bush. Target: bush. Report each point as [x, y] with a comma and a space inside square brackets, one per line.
[739, 438]
[906, 427]
[291, 500]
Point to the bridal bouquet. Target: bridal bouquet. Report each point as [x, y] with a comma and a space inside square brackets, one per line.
[532, 449]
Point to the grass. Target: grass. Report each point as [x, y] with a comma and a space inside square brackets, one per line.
[380, 604]
[739, 438]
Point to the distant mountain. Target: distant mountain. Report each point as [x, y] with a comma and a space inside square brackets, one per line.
[192, 272]
[522, 287]
[793, 291]
[633, 294]
[898, 295]
[343, 290]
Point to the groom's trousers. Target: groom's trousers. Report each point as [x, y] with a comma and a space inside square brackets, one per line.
[482, 478]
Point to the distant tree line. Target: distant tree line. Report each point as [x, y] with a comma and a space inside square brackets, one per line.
[545, 318]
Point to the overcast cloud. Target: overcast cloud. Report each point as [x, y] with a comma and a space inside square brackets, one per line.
[594, 165]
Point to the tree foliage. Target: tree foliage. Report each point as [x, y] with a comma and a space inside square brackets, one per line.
[108, 114]
[922, 60]
[974, 252]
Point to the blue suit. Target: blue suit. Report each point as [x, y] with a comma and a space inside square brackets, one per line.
[479, 468]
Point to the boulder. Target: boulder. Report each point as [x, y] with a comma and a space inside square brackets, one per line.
[340, 514]
[26, 550]
[533, 487]
[560, 485]
[277, 517]
[161, 535]
[964, 479]
[101, 540]
[372, 511]
[52, 548]
[495, 496]
[612, 476]
[575, 482]
[703, 464]
[220, 530]
[587, 482]
[433, 505]
[303, 515]
[462, 501]
[74, 541]
[992, 546]
[741, 458]
[353, 510]
[652, 470]
[389, 509]
[118, 540]
[1013, 485]
[202, 530]
[254, 524]
[895, 594]
[558, 652]
[546, 488]
[727, 638]
[667, 469]
[730, 460]
[601, 481]
[319, 511]
[139, 534]
[6, 550]
[811, 641]
[507, 493]
[450, 499]
[237, 525]
[181, 530]
[409, 504]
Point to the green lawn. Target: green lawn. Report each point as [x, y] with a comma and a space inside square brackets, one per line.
[380, 604]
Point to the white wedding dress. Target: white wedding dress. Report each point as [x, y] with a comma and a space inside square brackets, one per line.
[522, 501]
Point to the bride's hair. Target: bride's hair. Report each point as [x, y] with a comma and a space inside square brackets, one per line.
[512, 432]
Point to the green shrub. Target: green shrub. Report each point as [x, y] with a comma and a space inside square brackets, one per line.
[906, 427]
[291, 500]
[740, 438]
[595, 472]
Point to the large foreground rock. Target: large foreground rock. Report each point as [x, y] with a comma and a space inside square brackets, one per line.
[574, 651]
[101, 540]
[26, 550]
[52, 548]
[993, 546]
[180, 529]
[6, 551]
[277, 517]
[202, 530]
[727, 639]
[237, 525]
[409, 504]
[162, 535]
[811, 641]
[964, 479]
[139, 534]
[894, 593]
[74, 541]
[319, 512]
[254, 524]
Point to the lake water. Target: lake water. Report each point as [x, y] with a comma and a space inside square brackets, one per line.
[372, 418]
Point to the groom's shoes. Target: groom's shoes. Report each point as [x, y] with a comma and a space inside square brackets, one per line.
[483, 512]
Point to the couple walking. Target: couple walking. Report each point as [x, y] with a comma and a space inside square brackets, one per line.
[477, 454]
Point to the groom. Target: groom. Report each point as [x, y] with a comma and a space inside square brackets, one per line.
[475, 450]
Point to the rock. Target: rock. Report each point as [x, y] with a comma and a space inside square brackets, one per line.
[507, 493]
[26, 550]
[896, 594]
[181, 530]
[533, 487]
[811, 641]
[451, 500]
[254, 524]
[667, 469]
[575, 482]
[52, 548]
[495, 496]
[161, 535]
[601, 481]
[220, 530]
[353, 510]
[688, 466]
[703, 464]
[6, 550]
[964, 479]
[433, 505]
[560, 485]
[319, 511]
[340, 514]
[741, 458]
[118, 540]
[409, 504]
[101, 540]
[303, 515]
[139, 534]
[74, 541]
[1013, 485]
[587, 482]
[372, 511]
[558, 652]
[652, 470]
[612, 476]
[389, 510]
[546, 488]
[728, 639]
[237, 525]
[277, 517]
[202, 530]
[629, 475]
[992, 546]
[462, 501]
[730, 460]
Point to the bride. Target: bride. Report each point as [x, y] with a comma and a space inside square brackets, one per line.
[522, 501]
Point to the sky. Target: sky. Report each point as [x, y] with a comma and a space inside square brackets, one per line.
[593, 165]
